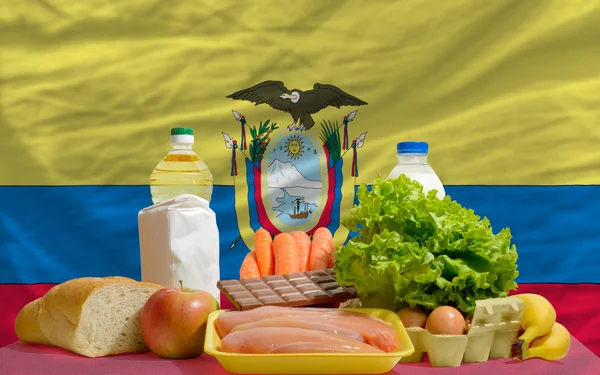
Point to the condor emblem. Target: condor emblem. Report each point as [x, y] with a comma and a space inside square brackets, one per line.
[295, 177]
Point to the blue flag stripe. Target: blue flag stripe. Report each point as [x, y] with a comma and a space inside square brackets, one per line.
[50, 234]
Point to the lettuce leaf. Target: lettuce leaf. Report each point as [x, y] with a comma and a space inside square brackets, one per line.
[413, 249]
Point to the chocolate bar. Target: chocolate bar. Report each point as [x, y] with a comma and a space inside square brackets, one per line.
[293, 290]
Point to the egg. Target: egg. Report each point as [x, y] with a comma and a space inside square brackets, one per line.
[412, 317]
[446, 320]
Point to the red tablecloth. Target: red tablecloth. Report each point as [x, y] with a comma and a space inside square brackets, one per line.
[23, 359]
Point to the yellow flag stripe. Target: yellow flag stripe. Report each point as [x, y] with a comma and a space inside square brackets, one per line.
[506, 92]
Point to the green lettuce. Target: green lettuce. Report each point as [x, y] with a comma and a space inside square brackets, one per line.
[413, 249]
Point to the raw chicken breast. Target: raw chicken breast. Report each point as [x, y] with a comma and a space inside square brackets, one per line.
[361, 328]
[231, 319]
[300, 322]
[277, 340]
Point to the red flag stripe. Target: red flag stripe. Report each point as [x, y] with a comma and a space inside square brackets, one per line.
[576, 305]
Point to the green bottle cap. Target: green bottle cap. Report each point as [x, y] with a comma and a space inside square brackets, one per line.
[182, 131]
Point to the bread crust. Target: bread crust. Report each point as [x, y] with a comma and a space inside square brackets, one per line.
[59, 311]
[27, 324]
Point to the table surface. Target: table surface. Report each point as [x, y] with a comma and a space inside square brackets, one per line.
[24, 359]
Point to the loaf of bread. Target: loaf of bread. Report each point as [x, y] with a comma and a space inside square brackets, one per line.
[90, 316]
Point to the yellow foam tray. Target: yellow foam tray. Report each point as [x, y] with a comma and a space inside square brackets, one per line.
[495, 324]
[312, 363]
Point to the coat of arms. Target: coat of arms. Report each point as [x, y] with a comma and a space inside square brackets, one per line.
[292, 178]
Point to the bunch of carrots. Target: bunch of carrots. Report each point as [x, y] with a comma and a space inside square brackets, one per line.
[288, 252]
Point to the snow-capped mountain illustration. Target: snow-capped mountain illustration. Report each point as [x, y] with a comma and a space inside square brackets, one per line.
[285, 175]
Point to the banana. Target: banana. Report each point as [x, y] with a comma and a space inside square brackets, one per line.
[553, 346]
[538, 319]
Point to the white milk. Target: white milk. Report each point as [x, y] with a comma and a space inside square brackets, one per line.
[412, 162]
[179, 240]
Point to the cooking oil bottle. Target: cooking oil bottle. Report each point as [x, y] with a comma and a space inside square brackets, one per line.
[181, 171]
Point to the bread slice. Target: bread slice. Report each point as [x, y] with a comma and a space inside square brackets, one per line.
[90, 316]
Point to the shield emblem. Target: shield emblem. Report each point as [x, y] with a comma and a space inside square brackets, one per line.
[293, 180]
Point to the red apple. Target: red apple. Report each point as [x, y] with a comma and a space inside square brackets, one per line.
[173, 322]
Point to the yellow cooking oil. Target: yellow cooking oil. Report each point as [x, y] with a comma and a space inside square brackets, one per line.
[181, 171]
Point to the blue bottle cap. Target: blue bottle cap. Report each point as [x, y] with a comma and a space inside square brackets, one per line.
[412, 148]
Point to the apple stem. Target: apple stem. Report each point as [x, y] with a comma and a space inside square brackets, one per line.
[181, 283]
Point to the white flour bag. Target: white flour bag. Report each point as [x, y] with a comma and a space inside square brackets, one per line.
[179, 240]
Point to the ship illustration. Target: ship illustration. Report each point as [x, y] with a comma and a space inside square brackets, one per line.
[300, 214]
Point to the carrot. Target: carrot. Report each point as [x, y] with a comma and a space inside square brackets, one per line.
[331, 255]
[322, 232]
[303, 245]
[320, 249]
[286, 254]
[249, 266]
[263, 245]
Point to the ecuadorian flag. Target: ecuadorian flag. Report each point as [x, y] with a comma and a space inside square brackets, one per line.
[506, 93]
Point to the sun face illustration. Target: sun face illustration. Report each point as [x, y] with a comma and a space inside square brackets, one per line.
[294, 147]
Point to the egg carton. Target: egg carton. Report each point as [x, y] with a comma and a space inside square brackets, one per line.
[495, 324]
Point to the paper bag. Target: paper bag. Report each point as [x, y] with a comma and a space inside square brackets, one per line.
[179, 240]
